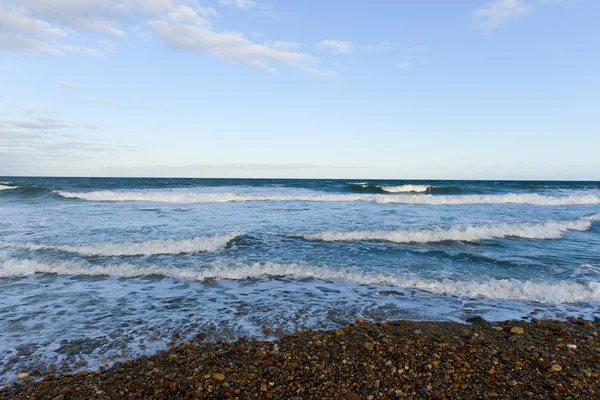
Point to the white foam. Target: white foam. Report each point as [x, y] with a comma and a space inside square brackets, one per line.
[4, 187]
[406, 189]
[182, 197]
[153, 247]
[505, 289]
[548, 230]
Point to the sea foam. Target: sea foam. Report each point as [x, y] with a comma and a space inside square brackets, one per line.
[4, 187]
[153, 247]
[182, 197]
[541, 291]
[406, 189]
[547, 230]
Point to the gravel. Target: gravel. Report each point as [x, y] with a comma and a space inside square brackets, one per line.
[541, 359]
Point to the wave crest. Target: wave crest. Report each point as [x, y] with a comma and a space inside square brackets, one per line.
[548, 230]
[153, 247]
[407, 189]
[541, 291]
[180, 197]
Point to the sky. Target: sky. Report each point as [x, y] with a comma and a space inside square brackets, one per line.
[432, 89]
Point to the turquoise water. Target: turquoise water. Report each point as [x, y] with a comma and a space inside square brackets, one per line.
[90, 268]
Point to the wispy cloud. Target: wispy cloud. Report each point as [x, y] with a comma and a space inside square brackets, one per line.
[403, 65]
[320, 72]
[68, 85]
[346, 47]
[336, 46]
[497, 12]
[32, 136]
[186, 29]
[243, 4]
[60, 27]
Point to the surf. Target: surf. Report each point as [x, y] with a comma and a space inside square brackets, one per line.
[149, 248]
[468, 233]
[534, 290]
[187, 197]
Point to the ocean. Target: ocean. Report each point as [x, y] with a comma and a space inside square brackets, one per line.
[94, 270]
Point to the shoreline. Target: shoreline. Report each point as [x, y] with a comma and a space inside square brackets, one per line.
[364, 360]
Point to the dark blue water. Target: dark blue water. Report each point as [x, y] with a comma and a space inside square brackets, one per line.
[92, 267]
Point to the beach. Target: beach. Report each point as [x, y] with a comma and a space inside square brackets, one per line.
[539, 359]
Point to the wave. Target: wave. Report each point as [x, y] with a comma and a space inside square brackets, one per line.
[407, 189]
[3, 186]
[365, 187]
[541, 291]
[191, 197]
[548, 230]
[153, 247]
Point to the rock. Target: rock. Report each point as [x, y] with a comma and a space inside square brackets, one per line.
[555, 368]
[543, 364]
[351, 396]
[359, 320]
[477, 321]
[572, 346]
[22, 375]
[369, 346]
[516, 330]
[219, 377]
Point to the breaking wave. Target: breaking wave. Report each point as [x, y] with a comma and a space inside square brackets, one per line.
[153, 247]
[541, 291]
[548, 230]
[4, 187]
[407, 189]
[365, 187]
[181, 197]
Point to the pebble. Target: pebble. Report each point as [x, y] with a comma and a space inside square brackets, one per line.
[399, 359]
[517, 330]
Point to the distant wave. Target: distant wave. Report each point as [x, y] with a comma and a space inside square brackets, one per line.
[366, 187]
[407, 189]
[4, 187]
[548, 230]
[541, 291]
[191, 197]
[153, 247]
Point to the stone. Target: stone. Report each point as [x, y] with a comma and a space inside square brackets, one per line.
[219, 377]
[22, 375]
[516, 330]
[477, 321]
[572, 346]
[351, 396]
[359, 320]
[555, 368]
[369, 346]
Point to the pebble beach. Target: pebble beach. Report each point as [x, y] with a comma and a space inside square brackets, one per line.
[541, 359]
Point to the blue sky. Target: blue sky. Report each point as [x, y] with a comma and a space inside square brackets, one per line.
[501, 89]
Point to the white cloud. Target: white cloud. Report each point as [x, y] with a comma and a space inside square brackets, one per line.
[345, 47]
[50, 27]
[403, 65]
[185, 29]
[68, 85]
[336, 46]
[494, 13]
[243, 4]
[284, 46]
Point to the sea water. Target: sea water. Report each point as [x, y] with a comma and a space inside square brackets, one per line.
[94, 270]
